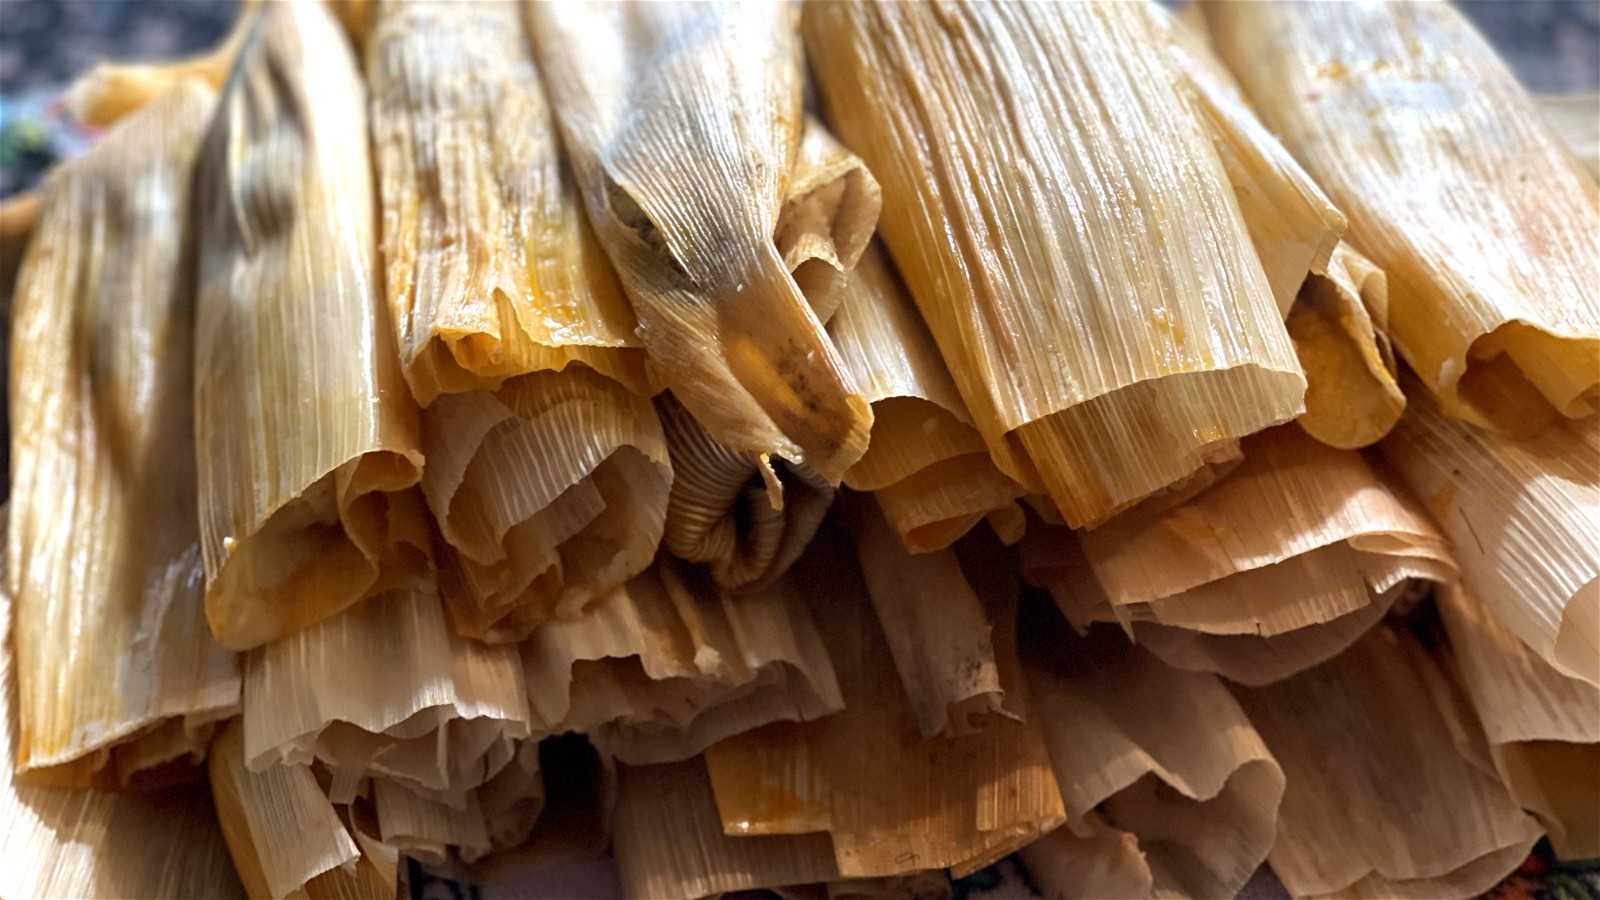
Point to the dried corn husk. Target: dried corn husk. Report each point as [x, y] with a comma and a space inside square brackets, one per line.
[287, 840]
[61, 842]
[111, 639]
[936, 628]
[746, 517]
[573, 821]
[984, 124]
[1361, 743]
[491, 268]
[1088, 858]
[927, 466]
[1276, 568]
[664, 666]
[1162, 754]
[1524, 518]
[828, 215]
[386, 689]
[892, 802]
[1489, 235]
[550, 492]
[307, 437]
[1543, 727]
[1339, 325]
[1575, 121]
[112, 90]
[683, 123]
[663, 809]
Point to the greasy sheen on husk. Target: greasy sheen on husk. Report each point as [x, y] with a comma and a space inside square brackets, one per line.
[307, 437]
[1127, 332]
[927, 466]
[1277, 567]
[683, 123]
[490, 265]
[1453, 185]
[110, 631]
[1524, 517]
[550, 492]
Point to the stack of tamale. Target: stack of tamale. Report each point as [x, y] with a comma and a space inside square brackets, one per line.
[449, 439]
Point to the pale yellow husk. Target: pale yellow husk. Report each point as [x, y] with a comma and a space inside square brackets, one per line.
[62, 842]
[1524, 518]
[386, 689]
[927, 465]
[1361, 742]
[1160, 754]
[1276, 568]
[745, 517]
[550, 492]
[936, 628]
[1452, 184]
[1339, 325]
[1543, 727]
[110, 630]
[1128, 331]
[307, 437]
[892, 802]
[829, 213]
[490, 266]
[666, 665]
[683, 123]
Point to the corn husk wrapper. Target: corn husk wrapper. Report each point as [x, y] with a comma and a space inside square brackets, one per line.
[491, 268]
[1339, 325]
[1098, 390]
[829, 213]
[387, 690]
[662, 809]
[1159, 753]
[892, 802]
[306, 458]
[1543, 727]
[1575, 121]
[112, 90]
[683, 124]
[1452, 184]
[1361, 742]
[746, 518]
[1524, 519]
[664, 666]
[111, 638]
[286, 838]
[551, 492]
[66, 842]
[927, 465]
[935, 625]
[1276, 568]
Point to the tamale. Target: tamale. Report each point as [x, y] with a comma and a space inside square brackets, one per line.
[288, 842]
[1543, 727]
[935, 625]
[892, 802]
[663, 809]
[307, 438]
[1574, 122]
[926, 465]
[1339, 325]
[491, 269]
[550, 492]
[683, 122]
[1361, 744]
[1128, 331]
[1524, 519]
[111, 639]
[1276, 568]
[1452, 184]
[666, 665]
[386, 689]
[1152, 751]
[61, 842]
